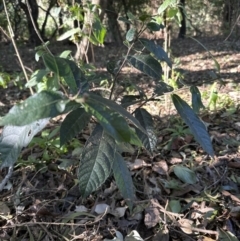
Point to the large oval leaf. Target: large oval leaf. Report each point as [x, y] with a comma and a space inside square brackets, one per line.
[196, 126]
[166, 4]
[96, 161]
[157, 50]
[14, 138]
[74, 122]
[196, 99]
[114, 106]
[149, 141]
[42, 105]
[69, 33]
[147, 64]
[110, 120]
[123, 180]
[67, 69]
[185, 174]
[130, 34]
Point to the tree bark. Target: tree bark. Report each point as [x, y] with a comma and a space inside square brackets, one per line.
[182, 30]
[113, 23]
[33, 37]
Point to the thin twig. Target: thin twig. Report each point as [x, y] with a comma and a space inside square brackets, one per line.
[14, 44]
[234, 25]
[120, 68]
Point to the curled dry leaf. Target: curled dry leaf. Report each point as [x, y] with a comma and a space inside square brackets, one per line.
[185, 225]
[160, 167]
[152, 214]
[138, 163]
[208, 239]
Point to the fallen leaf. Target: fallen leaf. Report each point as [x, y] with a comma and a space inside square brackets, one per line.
[80, 208]
[133, 236]
[208, 239]
[101, 208]
[160, 167]
[152, 214]
[138, 163]
[119, 212]
[185, 225]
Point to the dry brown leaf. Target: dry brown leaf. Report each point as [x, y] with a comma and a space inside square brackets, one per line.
[185, 225]
[208, 239]
[138, 163]
[233, 197]
[152, 214]
[160, 167]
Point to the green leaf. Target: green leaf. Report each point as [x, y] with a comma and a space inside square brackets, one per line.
[14, 138]
[131, 16]
[74, 122]
[144, 17]
[128, 100]
[165, 5]
[149, 141]
[110, 120]
[42, 105]
[147, 64]
[175, 206]
[162, 88]
[196, 126]
[65, 54]
[36, 77]
[69, 33]
[185, 174]
[152, 26]
[172, 12]
[114, 106]
[123, 180]
[156, 50]
[96, 161]
[67, 69]
[99, 31]
[196, 99]
[131, 34]
[227, 236]
[125, 20]
[135, 139]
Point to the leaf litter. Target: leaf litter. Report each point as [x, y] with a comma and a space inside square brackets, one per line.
[181, 193]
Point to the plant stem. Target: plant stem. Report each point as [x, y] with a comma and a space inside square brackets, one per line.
[119, 70]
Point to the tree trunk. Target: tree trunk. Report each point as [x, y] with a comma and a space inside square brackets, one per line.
[182, 30]
[33, 37]
[113, 23]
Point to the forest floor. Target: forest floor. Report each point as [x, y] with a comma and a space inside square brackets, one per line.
[42, 200]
